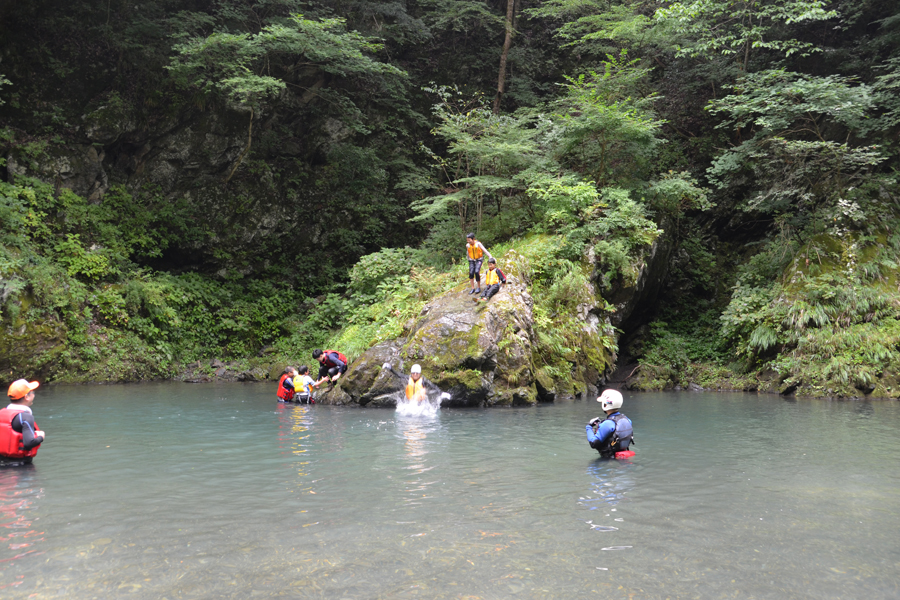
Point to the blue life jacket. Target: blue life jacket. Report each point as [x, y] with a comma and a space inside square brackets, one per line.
[620, 439]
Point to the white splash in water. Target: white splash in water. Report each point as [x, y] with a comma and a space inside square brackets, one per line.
[427, 408]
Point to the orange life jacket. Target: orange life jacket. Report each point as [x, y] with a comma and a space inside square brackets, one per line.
[10, 439]
[340, 355]
[415, 390]
[474, 250]
[284, 393]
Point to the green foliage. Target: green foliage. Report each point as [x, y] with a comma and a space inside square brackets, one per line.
[731, 27]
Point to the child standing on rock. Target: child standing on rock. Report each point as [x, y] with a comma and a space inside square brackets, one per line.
[475, 252]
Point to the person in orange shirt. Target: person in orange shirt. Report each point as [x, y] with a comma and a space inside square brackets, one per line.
[475, 252]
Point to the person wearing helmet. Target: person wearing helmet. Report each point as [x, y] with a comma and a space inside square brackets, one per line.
[415, 388]
[475, 252]
[614, 433]
[19, 435]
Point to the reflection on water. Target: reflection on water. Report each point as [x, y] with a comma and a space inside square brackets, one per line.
[19, 493]
[179, 491]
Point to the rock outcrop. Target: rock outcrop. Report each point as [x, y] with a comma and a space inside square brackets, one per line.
[480, 354]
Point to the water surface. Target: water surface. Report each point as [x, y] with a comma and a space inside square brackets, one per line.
[208, 491]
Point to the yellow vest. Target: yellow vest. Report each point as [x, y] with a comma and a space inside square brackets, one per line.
[491, 277]
[474, 250]
[415, 390]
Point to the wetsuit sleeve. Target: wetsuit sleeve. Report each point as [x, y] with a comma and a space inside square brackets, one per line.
[605, 430]
[26, 424]
[288, 383]
[501, 275]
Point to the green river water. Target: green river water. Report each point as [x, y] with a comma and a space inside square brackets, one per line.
[215, 491]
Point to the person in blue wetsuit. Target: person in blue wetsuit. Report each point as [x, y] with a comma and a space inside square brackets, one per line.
[614, 433]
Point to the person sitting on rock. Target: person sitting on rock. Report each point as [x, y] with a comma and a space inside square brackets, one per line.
[286, 385]
[614, 433]
[492, 280]
[415, 388]
[303, 385]
[332, 364]
[475, 252]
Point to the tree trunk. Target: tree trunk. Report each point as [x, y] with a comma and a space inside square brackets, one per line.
[249, 141]
[507, 42]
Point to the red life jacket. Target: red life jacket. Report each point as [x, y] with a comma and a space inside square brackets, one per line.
[10, 439]
[340, 356]
[284, 393]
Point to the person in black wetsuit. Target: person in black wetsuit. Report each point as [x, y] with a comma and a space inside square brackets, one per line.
[19, 435]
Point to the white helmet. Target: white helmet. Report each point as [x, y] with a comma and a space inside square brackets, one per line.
[610, 399]
[415, 369]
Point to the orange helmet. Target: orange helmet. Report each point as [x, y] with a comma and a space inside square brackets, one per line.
[19, 389]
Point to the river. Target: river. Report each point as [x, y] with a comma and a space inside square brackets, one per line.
[215, 491]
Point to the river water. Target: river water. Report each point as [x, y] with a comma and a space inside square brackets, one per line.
[216, 491]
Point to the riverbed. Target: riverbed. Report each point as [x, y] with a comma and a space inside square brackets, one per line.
[216, 491]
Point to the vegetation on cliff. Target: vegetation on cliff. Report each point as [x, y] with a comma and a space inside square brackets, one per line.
[246, 180]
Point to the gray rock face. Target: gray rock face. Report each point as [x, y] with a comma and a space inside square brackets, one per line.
[631, 299]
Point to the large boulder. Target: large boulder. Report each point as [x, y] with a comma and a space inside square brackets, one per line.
[481, 354]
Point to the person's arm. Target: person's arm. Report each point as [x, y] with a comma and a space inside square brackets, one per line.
[341, 365]
[30, 436]
[288, 383]
[502, 275]
[485, 250]
[605, 429]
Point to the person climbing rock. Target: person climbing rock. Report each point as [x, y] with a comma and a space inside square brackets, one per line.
[285, 391]
[492, 281]
[415, 388]
[475, 252]
[332, 364]
[20, 437]
[614, 433]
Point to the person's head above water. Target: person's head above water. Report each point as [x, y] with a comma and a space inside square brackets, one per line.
[610, 400]
[416, 371]
[21, 391]
[303, 370]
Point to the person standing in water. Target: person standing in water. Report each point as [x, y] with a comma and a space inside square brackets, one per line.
[303, 385]
[286, 385]
[475, 252]
[19, 434]
[614, 433]
[415, 388]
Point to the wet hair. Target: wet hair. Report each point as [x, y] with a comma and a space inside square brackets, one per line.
[317, 353]
[303, 370]
[492, 261]
[470, 236]
[288, 370]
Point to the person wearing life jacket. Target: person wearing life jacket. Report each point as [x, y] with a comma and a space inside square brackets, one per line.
[492, 280]
[614, 433]
[303, 385]
[332, 364]
[19, 434]
[415, 388]
[475, 252]
[286, 385]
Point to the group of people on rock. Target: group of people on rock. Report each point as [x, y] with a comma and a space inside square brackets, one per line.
[296, 385]
[475, 252]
